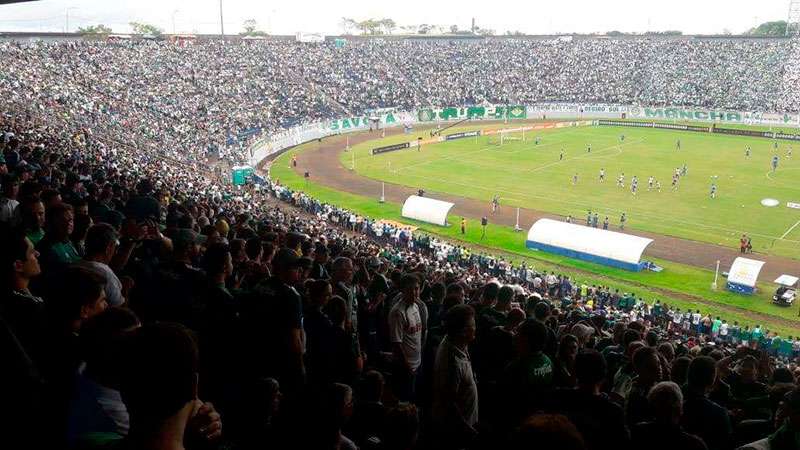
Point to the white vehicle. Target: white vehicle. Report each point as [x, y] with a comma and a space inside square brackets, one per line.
[787, 291]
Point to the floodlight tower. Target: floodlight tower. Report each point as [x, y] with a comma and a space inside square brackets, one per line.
[793, 21]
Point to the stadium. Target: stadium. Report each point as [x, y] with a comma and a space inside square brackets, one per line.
[386, 240]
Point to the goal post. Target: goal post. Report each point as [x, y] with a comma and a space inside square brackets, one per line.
[510, 135]
[502, 137]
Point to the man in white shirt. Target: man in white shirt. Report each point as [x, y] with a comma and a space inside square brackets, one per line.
[677, 317]
[405, 331]
[101, 246]
[696, 321]
[8, 202]
[723, 331]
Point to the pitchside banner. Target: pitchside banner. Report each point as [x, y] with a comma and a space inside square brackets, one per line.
[472, 112]
[610, 111]
[466, 134]
[703, 129]
[390, 148]
[386, 119]
[711, 115]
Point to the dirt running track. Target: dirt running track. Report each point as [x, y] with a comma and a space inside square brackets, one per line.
[323, 164]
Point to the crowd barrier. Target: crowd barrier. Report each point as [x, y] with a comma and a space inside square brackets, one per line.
[702, 129]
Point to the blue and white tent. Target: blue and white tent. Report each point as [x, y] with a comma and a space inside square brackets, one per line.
[589, 244]
[743, 275]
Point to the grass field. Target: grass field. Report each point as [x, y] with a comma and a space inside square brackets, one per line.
[680, 285]
[528, 175]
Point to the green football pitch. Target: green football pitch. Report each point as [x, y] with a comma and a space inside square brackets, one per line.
[530, 175]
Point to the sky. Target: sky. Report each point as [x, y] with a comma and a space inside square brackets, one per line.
[324, 16]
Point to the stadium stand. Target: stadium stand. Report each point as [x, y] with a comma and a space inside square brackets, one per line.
[145, 303]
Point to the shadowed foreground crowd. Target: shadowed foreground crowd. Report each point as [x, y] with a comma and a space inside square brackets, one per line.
[144, 306]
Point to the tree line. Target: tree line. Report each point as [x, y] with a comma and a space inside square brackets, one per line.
[387, 26]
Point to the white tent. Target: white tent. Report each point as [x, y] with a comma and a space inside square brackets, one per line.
[427, 209]
[588, 243]
[743, 275]
[787, 280]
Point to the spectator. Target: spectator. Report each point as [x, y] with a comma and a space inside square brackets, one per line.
[455, 395]
[664, 432]
[787, 422]
[159, 386]
[528, 380]
[56, 249]
[564, 365]
[648, 373]
[8, 201]
[369, 413]
[96, 405]
[22, 311]
[22, 342]
[548, 431]
[272, 322]
[402, 428]
[405, 323]
[101, 246]
[701, 416]
[32, 219]
[600, 421]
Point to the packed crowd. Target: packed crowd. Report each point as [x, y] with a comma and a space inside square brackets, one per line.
[144, 306]
[212, 98]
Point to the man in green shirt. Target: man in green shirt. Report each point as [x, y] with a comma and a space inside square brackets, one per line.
[56, 249]
[786, 348]
[746, 335]
[32, 216]
[528, 380]
[715, 324]
[735, 332]
[657, 311]
[775, 345]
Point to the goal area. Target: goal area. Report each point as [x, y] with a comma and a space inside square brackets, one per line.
[502, 137]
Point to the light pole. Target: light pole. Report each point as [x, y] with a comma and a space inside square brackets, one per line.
[173, 20]
[221, 24]
[66, 16]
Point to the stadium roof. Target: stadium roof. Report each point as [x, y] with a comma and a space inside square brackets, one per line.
[3, 2]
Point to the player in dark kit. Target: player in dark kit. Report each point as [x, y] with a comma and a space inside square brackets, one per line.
[678, 145]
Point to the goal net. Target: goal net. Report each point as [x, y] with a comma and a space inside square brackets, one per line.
[505, 136]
